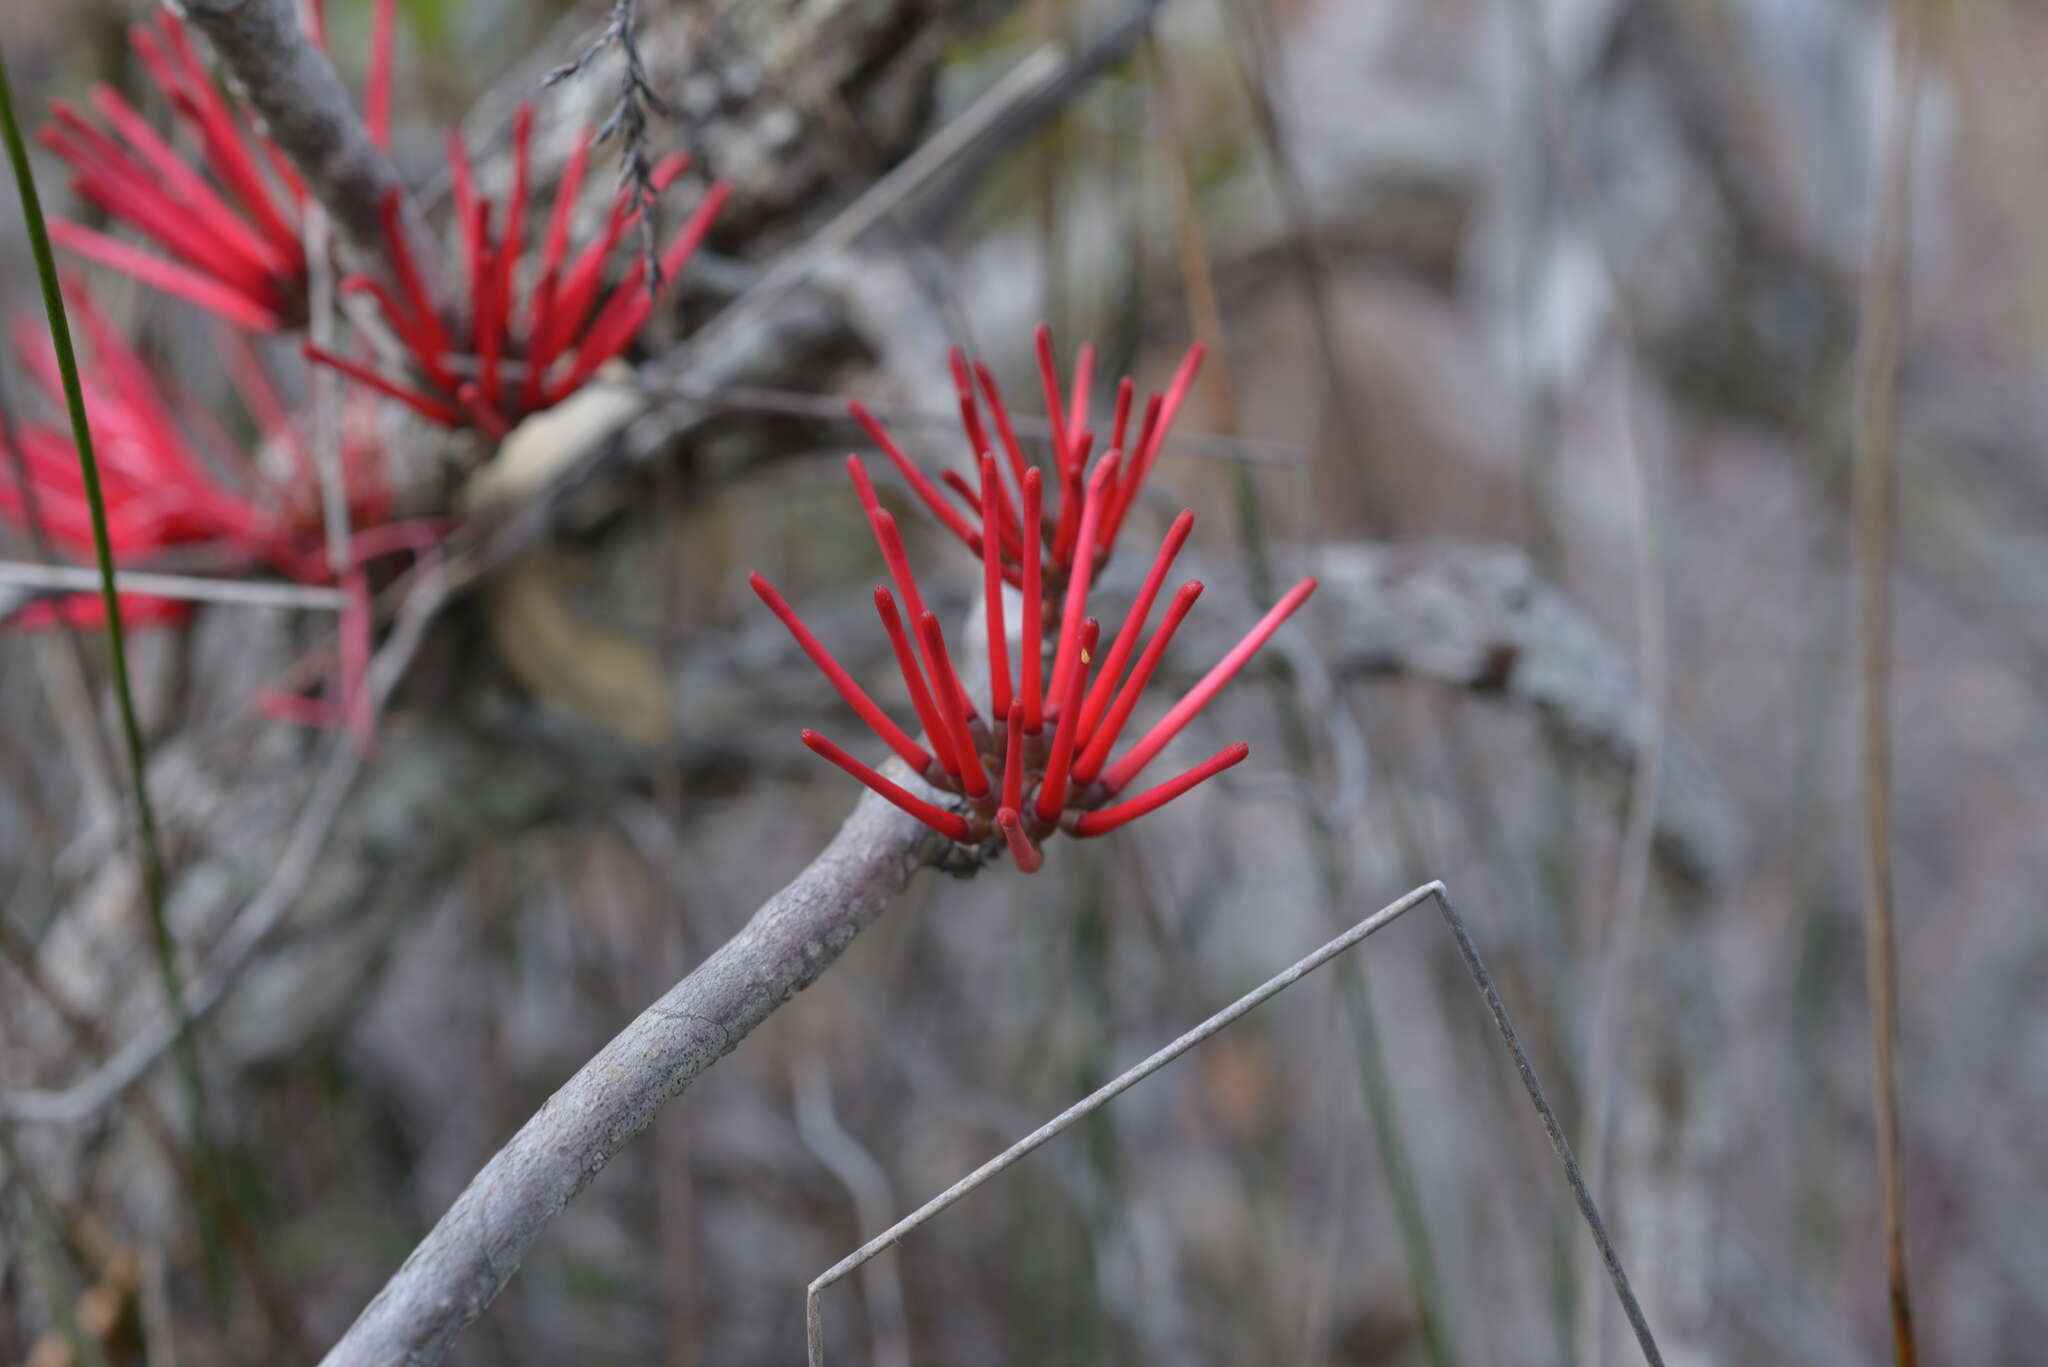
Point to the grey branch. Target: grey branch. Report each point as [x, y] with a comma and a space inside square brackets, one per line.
[477, 1246]
[307, 112]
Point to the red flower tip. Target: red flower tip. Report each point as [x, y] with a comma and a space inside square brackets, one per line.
[1013, 758]
[1198, 697]
[916, 478]
[842, 682]
[949, 824]
[1030, 859]
[1102, 822]
[377, 82]
[863, 487]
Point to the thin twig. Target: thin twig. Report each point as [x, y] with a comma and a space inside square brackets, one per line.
[254, 593]
[628, 120]
[814, 1326]
[1199, 286]
[1639, 823]
[1343, 408]
[1103, 49]
[1875, 495]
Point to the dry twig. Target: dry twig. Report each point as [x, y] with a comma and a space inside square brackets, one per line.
[1875, 494]
[628, 120]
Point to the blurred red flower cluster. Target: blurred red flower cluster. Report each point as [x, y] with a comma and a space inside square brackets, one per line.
[223, 227]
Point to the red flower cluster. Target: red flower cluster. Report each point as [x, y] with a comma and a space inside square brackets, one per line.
[234, 242]
[229, 225]
[567, 335]
[1040, 762]
[166, 490]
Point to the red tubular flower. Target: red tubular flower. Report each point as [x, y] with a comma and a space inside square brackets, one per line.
[1064, 782]
[1109, 818]
[490, 369]
[973, 777]
[928, 716]
[1127, 638]
[1052, 789]
[1105, 735]
[992, 592]
[233, 240]
[949, 824]
[1075, 603]
[892, 735]
[1013, 759]
[1033, 659]
[1198, 697]
[1030, 859]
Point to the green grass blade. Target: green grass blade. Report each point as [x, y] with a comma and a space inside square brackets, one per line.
[131, 730]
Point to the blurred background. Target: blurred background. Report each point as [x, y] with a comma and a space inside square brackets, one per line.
[1540, 316]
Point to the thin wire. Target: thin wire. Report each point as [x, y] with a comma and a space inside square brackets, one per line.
[814, 1324]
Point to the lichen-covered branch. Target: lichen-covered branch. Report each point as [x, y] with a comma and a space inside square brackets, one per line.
[477, 1246]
